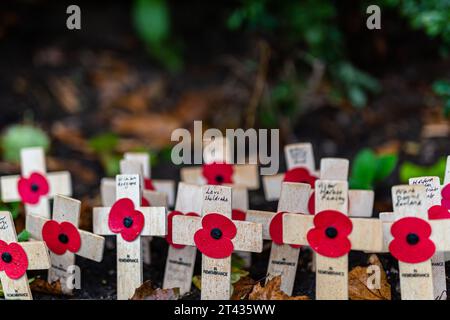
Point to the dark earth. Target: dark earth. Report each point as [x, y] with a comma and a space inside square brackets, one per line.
[36, 47]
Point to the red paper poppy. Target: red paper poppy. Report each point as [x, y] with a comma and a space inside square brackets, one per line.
[170, 224]
[438, 212]
[61, 237]
[145, 202]
[445, 192]
[276, 230]
[124, 219]
[214, 239]
[330, 234]
[218, 173]
[148, 184]
[239, 215]
[411, 243]
[33, 188]
[312, 203]
[300, 175]
[13, 260]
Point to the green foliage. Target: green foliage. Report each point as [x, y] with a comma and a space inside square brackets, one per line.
[104, 143]
[369, 169]
[23, 236]
[151, 19]
[13, 207]
[410, 170]
[17, 137]
[442, 89]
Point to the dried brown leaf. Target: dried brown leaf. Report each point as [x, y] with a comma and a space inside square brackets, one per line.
[242, 288]
[147, 292]
[42, 286]
[358, 283]
[66, 92]
[272, 291]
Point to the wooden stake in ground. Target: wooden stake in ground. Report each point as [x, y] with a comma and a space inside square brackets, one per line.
[34, 187]
[17, 258]
[218, 170]
[65, 240]
[181, 259]
[129, 221]
[332, 234]
[216, 236]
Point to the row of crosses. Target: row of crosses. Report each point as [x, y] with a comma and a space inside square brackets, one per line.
[211, 214]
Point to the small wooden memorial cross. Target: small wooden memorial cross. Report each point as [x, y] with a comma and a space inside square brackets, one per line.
[332, 234]
[239, 212]
[181, 259]
[34, 187]
[218, 170]
[216, 236]
[65, 240]
[129, 221]
[17, 258]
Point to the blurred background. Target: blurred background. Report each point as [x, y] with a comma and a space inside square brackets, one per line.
[139, 69]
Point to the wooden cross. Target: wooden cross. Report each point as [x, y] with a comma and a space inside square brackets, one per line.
[240, 207]
[34, 187]
[63, 246]
[219, 151]
[17, 258]
[137, 221]
[331, 234]
[181, 260]
[216, 236]
[298, 155]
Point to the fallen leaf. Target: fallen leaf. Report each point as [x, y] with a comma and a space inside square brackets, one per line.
[66, 92]
[147, 292]
[272, 291]
[242, 288]
[43, 286]
[358, 285]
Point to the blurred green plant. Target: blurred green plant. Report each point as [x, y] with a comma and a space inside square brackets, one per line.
[151, 19]
[410, 170]
[23, 236]
[13, 207]
[19, 136]
[442, 89]
[368, 169]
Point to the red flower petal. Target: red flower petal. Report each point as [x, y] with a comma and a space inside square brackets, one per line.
[312, 203]
[148, 184]
[438, 212]
[330, 246]
[170, 226]
[218, 173]
[238, 215]
[407, 252]
[18, 265]
[124, 210]
[51, 232]
[33, 188]
[445, 192]
[216, 249]
[276, 230]
[73, 234]
[145, 202]
[300, 175]
[219, 221]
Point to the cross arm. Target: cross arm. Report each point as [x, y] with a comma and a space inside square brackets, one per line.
[34, 225]
[248, 237]
[155, 221]
[100, 221]
[92, 246]
[60, 183]
[37, 254]
[262, 217]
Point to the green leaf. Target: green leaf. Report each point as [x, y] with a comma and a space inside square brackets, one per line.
[410, 170]
[197, 281]
[363, 170]
[17, 137]
[104, 143]
[111, 164]
[385, 166]
[23, 236]
[151, 20]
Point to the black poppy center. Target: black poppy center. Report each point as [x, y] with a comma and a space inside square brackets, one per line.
[219, 179]
[6, 257]
[34, 187]
[63, 238]
[331, 232]
[216, 233]
[127, 222]
[412, 238]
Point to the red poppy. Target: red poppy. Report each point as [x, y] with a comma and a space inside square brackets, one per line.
[312, 203]
[300, 175]
[218, 173]
[445, 192]
[330, 234]
[276, 230]
[411, 243]
[33, 188]
[61, 237]
[145, 202]
[148, 184]
[239, 215]
[14, 260]
[169, 227]
[214, 239]
[124, 219]
[438, 212]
